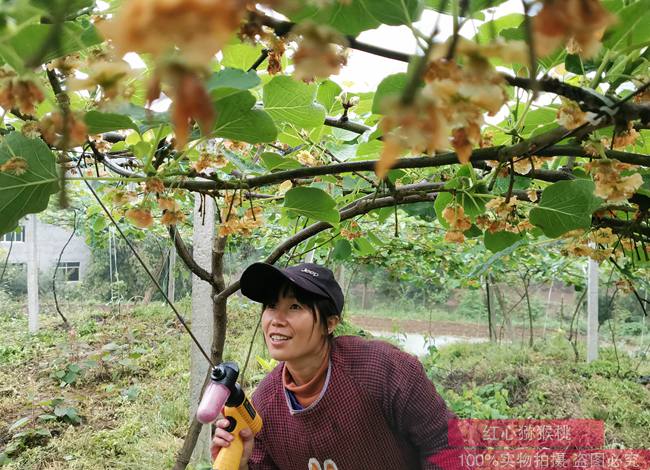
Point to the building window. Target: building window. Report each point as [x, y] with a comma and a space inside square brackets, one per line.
[69, 270]
[17, 235]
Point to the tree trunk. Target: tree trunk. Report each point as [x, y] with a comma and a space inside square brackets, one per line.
[507, 317]
[216, 352]
[364, 295]
[489, 309]
[548, 306]
[526, 282]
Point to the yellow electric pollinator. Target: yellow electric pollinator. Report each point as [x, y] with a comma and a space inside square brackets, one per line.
[223, 389]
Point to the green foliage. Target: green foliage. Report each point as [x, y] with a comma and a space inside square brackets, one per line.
[487, 380]
[238, 120]
[488, 401]
[359, 15]
[390, 86]
[313, 203]
[472, 305]
[29, 192]
[68, 375]
[287, 100]
[565, 206]
[499, 241]
[99, 122]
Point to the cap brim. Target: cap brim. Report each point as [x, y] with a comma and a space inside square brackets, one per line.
[261, 282]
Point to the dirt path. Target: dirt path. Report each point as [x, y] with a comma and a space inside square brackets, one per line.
[436, 328]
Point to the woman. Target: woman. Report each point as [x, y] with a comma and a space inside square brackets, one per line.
[347, 402]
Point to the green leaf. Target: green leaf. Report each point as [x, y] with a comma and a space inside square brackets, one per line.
[19, 423]
[313, 203]
[632, 27]
[29, 42]
[326, 95]
[342, 250]
[502, 184]
[390, 86]
[287, 100]
[72, 417]
[442, 201]
[30, 192]
[423, 210]
[473, 204]
[273, 161]
[475, 6]
[363, 246]
[499, 241]
[131, 393]
[360, 15]
[245, 165]
[230, 81]
[488, 30]
[565, 206]
[238, 120]
[539, 118]
[72, 7]
[99, 122]
[483, 268]
[240, 56]
[573, 63]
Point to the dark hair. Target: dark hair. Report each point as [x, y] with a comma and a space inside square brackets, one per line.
[316, 303]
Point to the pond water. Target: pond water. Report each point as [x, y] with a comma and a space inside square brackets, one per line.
[418, 344]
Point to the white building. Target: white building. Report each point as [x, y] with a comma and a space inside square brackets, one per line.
[50, 241]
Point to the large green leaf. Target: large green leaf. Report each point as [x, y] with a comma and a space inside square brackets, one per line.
[499, 241]
[360, 15]
[230, 81]
[489, 29]
[363, 246]
[313, 203]
[632, 28]
[327, 93]
[99, 122]
[72, 8]
[30, 192]
[33, 41]
[442, 201]
[342, 250]
[240, 55]
[237, 120]
[273, 161]
[287, 100]
[389, 86]
[565, 206]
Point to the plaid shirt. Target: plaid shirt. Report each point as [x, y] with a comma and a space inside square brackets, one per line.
[378, 410]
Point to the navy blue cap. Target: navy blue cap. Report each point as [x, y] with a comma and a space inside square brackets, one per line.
[261, 281]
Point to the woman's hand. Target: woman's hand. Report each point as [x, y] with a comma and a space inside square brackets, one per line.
[222, 438]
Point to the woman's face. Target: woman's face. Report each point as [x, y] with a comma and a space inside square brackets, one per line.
[291, 331]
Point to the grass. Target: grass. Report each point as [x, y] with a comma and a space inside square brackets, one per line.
[491, 381]
[130, 392]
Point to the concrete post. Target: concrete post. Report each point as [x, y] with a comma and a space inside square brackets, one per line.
[31, 238]
[204, 213]
[592, 310]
